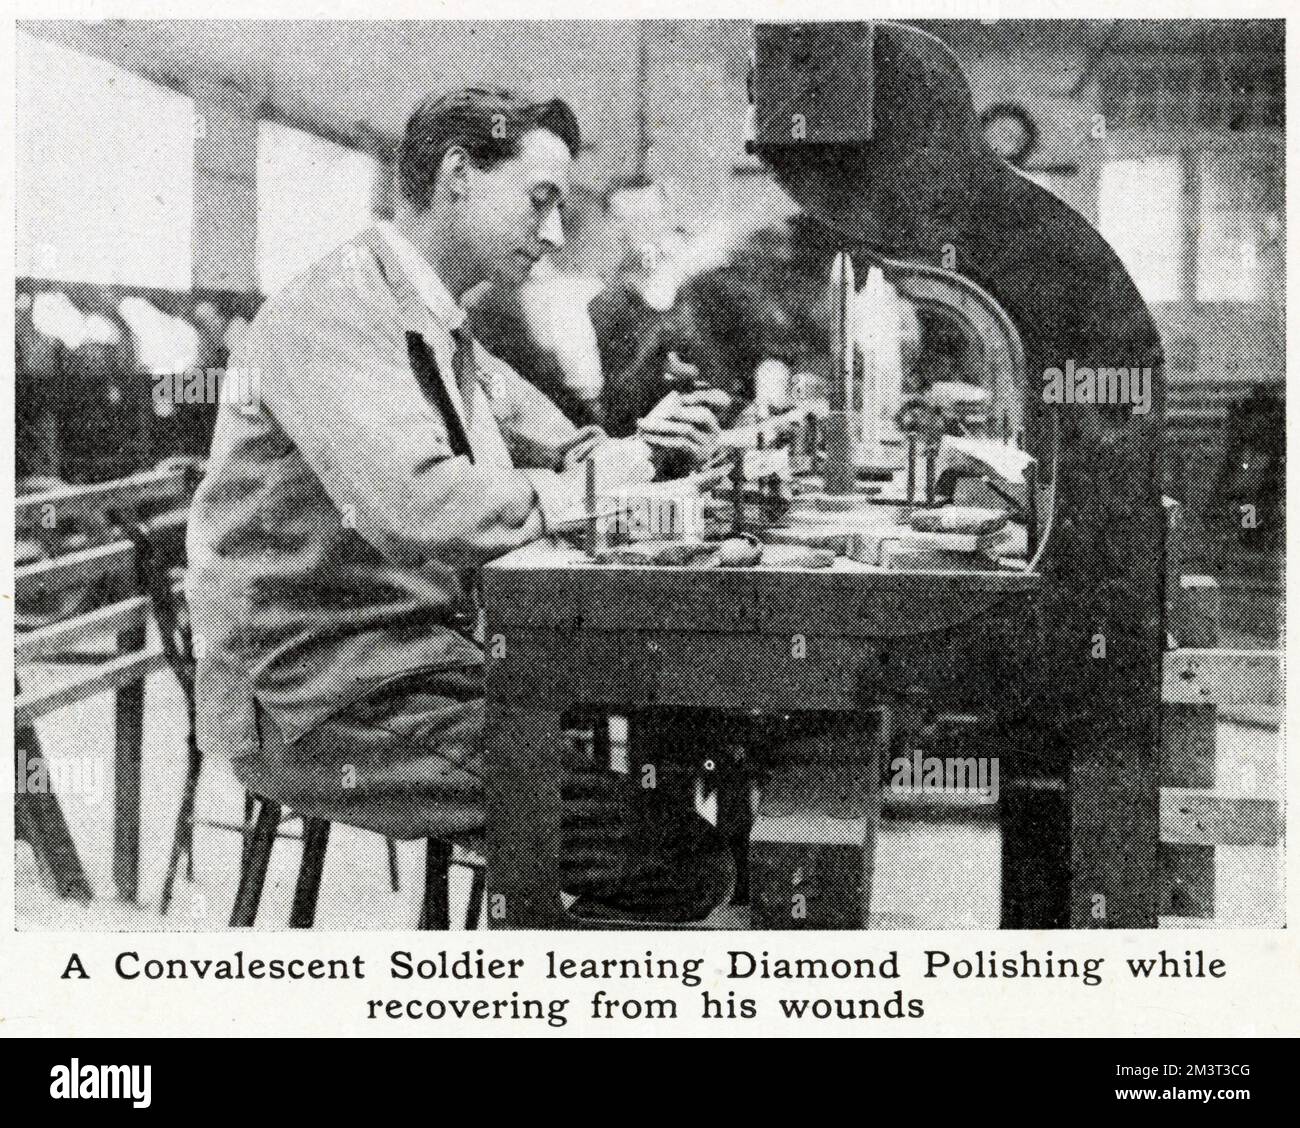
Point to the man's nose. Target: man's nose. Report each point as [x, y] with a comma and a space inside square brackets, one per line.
[552, 230]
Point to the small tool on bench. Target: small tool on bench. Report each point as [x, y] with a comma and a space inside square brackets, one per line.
[738, 492]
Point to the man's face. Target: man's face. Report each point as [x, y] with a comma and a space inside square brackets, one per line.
[511, 214]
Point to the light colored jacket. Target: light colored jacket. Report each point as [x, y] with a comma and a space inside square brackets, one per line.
[334, 538]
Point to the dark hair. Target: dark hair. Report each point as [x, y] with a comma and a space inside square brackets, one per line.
[486, 123]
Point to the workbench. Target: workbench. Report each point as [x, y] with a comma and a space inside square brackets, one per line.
[843, 644]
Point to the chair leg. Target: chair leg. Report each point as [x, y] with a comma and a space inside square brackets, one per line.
[196, 767]
[477, 885]
[248, 829]
[252, 874]
[183, 835]
[315, 839]
[393, 879]
[38, 820]
[435, 916]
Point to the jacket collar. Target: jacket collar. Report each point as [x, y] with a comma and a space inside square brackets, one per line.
[421, 295]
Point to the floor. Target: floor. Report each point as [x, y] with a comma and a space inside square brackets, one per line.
[928, 874]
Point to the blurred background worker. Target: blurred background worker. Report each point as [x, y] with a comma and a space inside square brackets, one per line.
[589, 306]
[632, 306]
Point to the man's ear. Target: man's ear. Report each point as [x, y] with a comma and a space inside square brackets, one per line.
[453, 173]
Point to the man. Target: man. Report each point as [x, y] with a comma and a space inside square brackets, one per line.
[645, 236]
[335, 541]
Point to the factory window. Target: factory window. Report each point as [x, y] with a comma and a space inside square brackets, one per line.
[105, 171]
[1221, 89]
[292, 164]
[1203, 224]
[1239, 255]
[1140, 211]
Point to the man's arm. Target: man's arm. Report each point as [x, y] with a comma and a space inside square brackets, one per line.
[339, 383]
[549, 449]
[539, 434]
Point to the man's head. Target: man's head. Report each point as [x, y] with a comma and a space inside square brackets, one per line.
[482, 175]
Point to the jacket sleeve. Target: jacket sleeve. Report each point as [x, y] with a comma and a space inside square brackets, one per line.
[550, 449]
[338, 381]
[537, 433]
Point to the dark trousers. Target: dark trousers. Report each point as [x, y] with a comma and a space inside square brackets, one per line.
[407, 762]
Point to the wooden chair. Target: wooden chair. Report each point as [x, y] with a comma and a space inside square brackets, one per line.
[106, 574]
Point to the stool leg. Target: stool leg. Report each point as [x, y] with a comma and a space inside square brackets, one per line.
[436, 914]
[252, 874]
[315, 839]
[195, 768]
[183, 835]
[478, 883]
[393, 878]
[248, 829]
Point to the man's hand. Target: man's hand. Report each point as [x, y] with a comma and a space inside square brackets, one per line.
[682, 376]
[685, 423]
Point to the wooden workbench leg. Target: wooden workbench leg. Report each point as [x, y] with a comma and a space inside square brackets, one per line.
[1114, 793]
[523, 766]
[1033, 756]
[812, 846]
[736, 821]
[1035, 853]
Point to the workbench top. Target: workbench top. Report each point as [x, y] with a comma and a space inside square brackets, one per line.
[553, 554]
[552, 586]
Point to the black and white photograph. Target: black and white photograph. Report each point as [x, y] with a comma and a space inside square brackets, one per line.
[650, 474]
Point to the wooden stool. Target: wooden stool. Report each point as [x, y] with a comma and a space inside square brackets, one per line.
[435, 912]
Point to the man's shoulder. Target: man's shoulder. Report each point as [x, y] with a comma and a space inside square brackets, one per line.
[344, 286]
